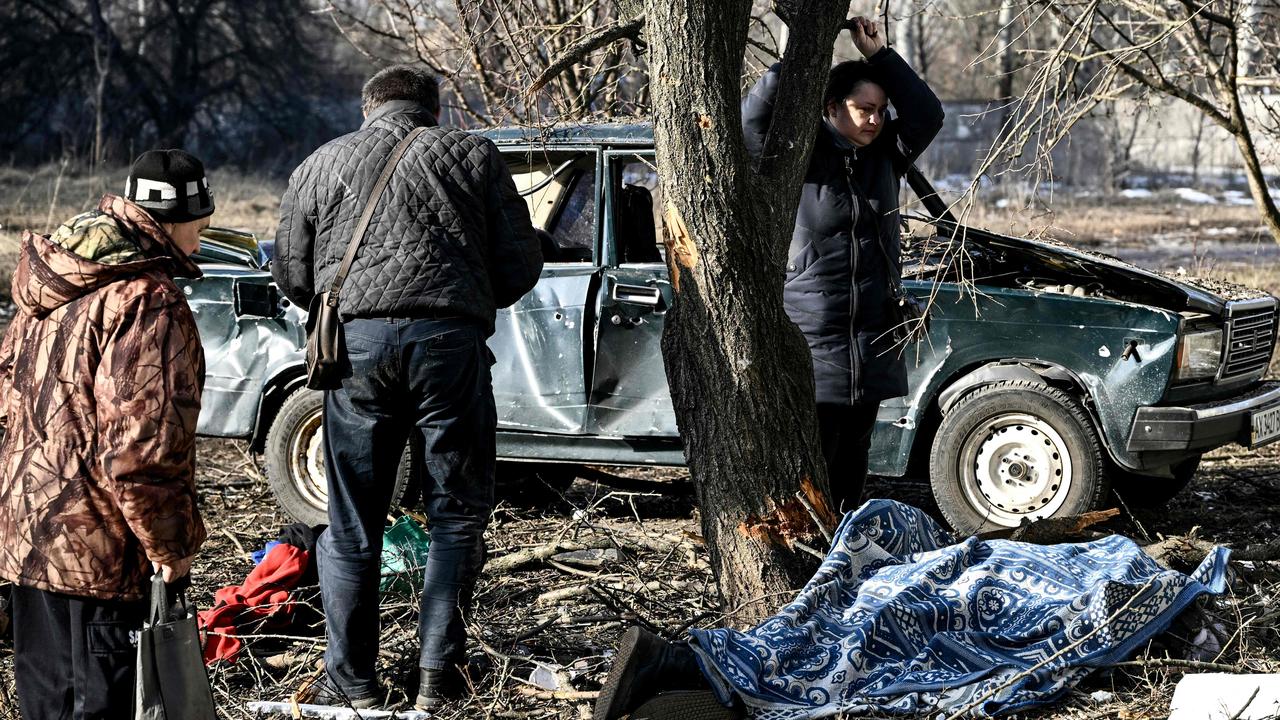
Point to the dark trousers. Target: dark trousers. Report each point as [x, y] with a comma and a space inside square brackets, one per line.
[74, 656]
[429, 380]
[846, 441]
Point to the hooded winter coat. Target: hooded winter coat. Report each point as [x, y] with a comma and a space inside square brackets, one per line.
[837, 275]
[100, 380]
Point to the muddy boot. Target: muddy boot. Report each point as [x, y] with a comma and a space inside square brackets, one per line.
[685, 705]
[436, 687]
[645, 666]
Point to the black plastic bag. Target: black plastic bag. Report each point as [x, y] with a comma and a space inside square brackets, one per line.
[171, 682]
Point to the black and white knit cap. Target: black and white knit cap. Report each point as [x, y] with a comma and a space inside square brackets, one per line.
[170, 185]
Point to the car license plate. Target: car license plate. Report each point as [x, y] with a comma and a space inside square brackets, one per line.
[1266, 426]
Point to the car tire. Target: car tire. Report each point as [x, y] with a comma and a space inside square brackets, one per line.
[1146, 491]
[1016, 450]
[295, 461]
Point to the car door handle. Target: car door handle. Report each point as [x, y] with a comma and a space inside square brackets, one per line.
[637, 295]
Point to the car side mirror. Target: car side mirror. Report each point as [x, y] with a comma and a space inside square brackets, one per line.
[257, 299]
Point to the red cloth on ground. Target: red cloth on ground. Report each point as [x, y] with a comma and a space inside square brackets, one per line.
[263, 601]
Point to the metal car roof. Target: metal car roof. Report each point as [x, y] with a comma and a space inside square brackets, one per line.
[629, 134]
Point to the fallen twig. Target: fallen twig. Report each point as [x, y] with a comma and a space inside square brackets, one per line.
[235, 541]
[533, 556]
[1246, 705]
[797, 545]
[557, 694]
[813, 513]
[1189, 664]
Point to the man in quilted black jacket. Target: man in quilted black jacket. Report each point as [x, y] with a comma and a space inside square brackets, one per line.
[449, 242]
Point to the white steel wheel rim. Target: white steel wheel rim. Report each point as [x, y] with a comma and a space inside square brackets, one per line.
[306, 461]
[1017, 467]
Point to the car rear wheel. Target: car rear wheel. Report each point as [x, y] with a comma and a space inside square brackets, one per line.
[1146, 491]
[1016, 450]
[295, 461]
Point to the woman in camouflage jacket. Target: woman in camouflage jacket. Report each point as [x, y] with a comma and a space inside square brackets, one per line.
[100, 380]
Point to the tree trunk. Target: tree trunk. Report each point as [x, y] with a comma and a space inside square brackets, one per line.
[1008, 63]
[1253, 171]
[1257, 180]
[739, 370]
[1195, 150]
[102, 69]
[904, 36]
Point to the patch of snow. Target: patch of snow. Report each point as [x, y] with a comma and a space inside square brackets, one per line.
[1237, 197]
[1195, 196]
[953, 183]
[1135, 193]
[1214, 232]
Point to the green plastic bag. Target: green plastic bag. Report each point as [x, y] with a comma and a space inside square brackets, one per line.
[404, 554]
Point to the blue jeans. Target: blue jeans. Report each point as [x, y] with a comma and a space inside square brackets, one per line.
[429, 380]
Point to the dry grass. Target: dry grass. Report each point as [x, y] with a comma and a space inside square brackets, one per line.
[38, 199]
[1100, 222]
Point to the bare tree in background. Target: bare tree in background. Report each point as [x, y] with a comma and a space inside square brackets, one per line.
[919, 29]
[1103, 50]
[104, 77]
[489, 53]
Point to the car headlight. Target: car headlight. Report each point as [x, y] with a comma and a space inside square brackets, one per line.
[1199, 355]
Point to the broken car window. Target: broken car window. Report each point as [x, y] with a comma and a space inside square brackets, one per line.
[637, 218]
[560, 189]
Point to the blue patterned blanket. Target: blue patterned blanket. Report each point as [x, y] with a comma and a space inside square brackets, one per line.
[901, 618]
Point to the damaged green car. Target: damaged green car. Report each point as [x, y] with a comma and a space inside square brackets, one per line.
[1048, 375]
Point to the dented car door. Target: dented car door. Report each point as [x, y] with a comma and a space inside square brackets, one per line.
[540, 344]
[629, 394]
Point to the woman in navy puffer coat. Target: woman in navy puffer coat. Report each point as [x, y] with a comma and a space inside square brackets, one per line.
[846, 240]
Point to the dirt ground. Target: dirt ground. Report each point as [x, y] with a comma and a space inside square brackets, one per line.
[544, 629]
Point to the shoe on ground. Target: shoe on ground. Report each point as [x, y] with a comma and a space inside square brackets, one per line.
[685, 705]
[646, 665]
[322, 693]
[436, 687]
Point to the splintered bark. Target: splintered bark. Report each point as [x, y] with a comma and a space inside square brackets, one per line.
[739, 370]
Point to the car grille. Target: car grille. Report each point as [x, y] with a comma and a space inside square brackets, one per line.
[1250, 341]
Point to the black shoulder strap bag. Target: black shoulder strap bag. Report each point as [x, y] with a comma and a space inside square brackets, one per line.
[326, 346]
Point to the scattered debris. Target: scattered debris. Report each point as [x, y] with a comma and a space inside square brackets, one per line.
[1050, 531]
[661, 579]
[262, 709]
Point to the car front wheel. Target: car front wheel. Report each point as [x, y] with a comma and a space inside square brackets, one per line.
[295, 461]
[1016, 450]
